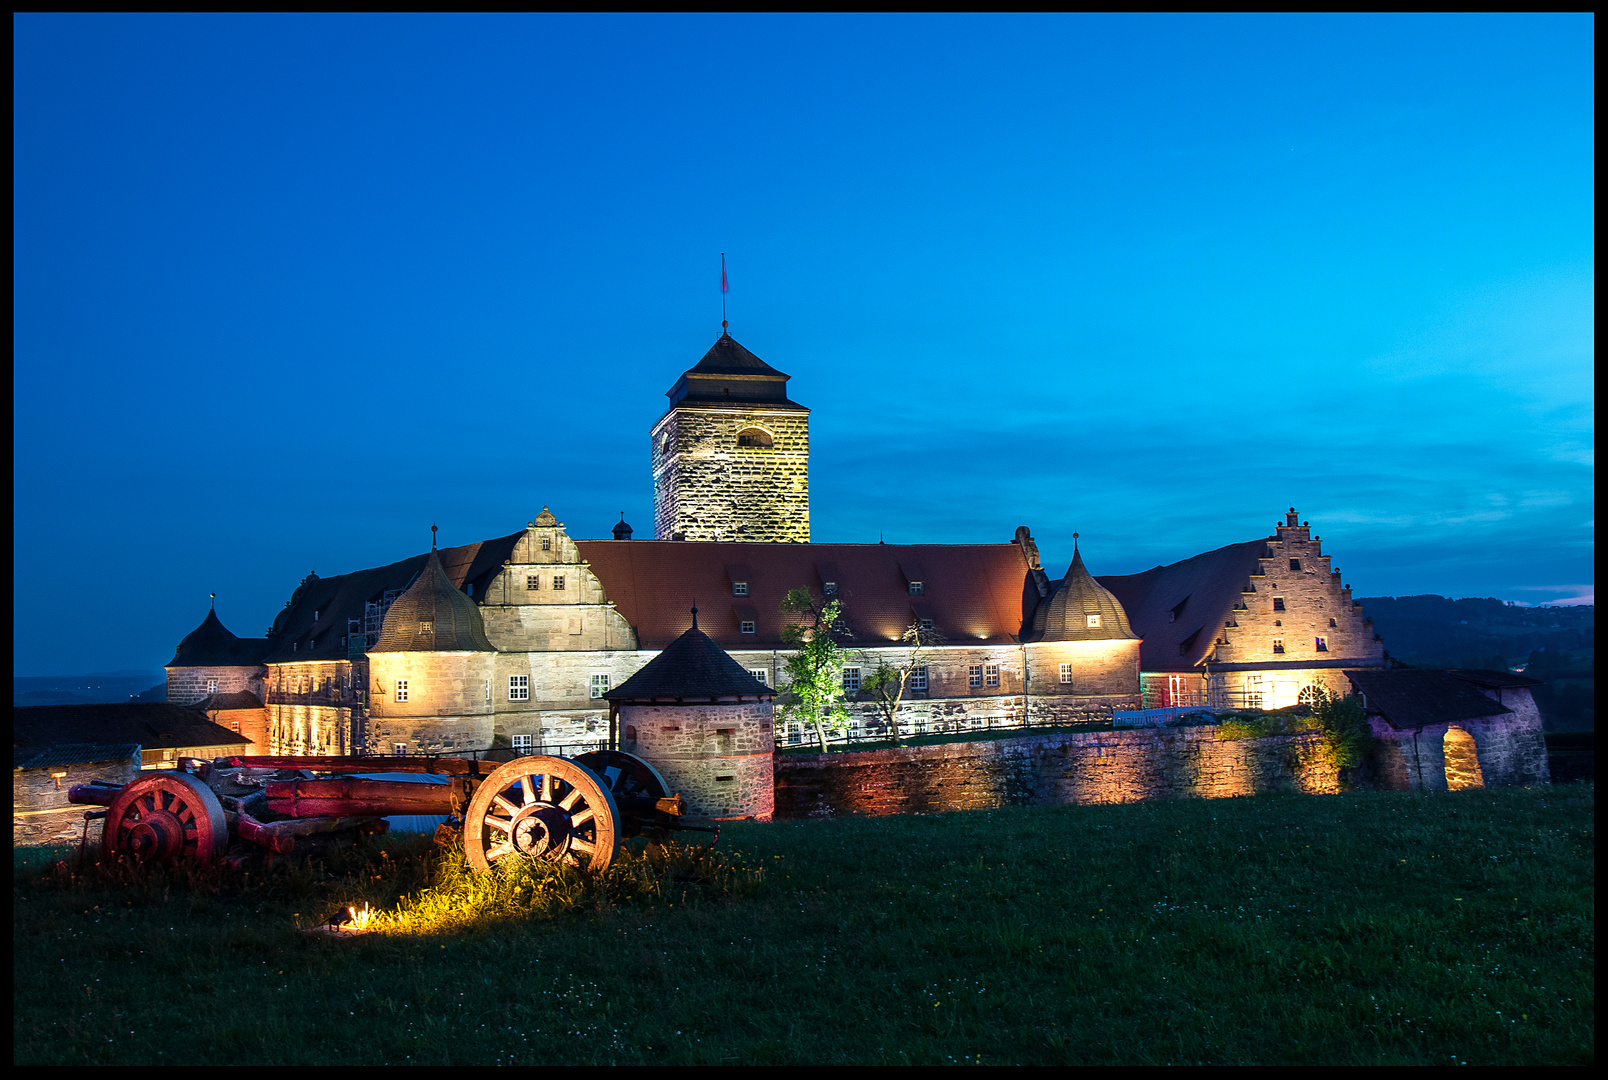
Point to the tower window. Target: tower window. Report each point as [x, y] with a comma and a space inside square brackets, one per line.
[829, 588]
[558, 582]
[739, 588]
[1278, 603]
[757, 437]
[1278, 645]
[401, 690]
[1322, 645]
[426, 627]
[918, 677]
[1066, 674]
[519, 688]
[533, 582]
[1093, 621]
[212, 686]
[547, 543]
[1334, 624]
[747, 626]
[917, 588]
[1295, 565]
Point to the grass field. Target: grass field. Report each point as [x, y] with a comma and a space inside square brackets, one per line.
[1365, 928]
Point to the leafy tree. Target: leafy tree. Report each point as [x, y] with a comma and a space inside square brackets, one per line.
[1345, 728]
[887, 682]
[814, 692]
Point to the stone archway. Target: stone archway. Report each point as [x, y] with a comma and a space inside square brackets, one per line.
[1462, 761]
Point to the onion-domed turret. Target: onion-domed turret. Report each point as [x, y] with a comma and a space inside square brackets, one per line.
[1081, 609]
[433, 616]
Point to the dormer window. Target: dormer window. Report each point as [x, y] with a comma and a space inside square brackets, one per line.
[917, 588]
[1093, 621]
[926, 624]
[739, 588]
[747, 626]
[829, 588]
[426, 627]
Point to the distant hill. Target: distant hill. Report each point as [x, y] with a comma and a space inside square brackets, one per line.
[104, 687]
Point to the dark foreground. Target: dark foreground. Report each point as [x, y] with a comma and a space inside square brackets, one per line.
[1367, 928]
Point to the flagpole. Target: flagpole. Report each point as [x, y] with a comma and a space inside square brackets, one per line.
[723, 323]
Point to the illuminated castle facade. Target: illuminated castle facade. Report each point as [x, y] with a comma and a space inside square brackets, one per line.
[514, 641]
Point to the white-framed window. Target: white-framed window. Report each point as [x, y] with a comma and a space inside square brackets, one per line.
[600, 685]
[739, 588]
[212, 686]
[747, 626]
[1253, 691]
[401, 690]
[519, 688]
[851, 680]
[976, 675]
[918, 677]
[523, 744]
[547, 543]
[759, 673]
[533, 582]
[426, 626]
[1093, 621]
[558, 582]
[829, 588]
[1321, 644]
[990, 674]
[917, 588]
[399, 749]
[1066, 674]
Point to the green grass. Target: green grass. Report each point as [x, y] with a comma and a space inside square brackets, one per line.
[1365, 928]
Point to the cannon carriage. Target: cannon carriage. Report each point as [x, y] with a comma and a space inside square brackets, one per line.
[577, 810]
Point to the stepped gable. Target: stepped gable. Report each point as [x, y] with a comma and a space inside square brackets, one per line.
[313, 626]
[730, 374]
[1410, 698]
[1064, 616]
[973, 593]
[1179, 610]
[433, 616]
[691, 668]
[212, 645]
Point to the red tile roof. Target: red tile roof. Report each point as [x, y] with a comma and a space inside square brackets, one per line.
[974, 593]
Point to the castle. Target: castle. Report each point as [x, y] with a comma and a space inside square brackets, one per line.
[515, 641]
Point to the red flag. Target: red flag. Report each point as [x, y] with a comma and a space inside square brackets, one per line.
[722, 275]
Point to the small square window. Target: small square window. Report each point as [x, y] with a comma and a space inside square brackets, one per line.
[917, 588]
[1295, 565]
[533, 582]
[600, 685]
[918, 677]
[558, 582]
[1093, 621]
[1066, 674]
[851, 680]
[1334, 624]
[976, 675]
[523, 744]
[519, 688]
[401, 690]
[547, 543]
[212, 686]
[1278, 603]
[739, 588]
[747, 626]
[829, 588]
[1278, 645]
[399, 749]
[758, 673]
[990, 674]
[1322, 645]
[426, 626]
[925, 624]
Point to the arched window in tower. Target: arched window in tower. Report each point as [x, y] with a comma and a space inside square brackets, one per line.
[757, 437]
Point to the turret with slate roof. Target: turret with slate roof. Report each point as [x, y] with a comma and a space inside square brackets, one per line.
[211, 660]
[1081, 609]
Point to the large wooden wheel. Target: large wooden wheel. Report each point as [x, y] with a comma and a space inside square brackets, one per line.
[543, 808]
[166, 816]
[632, 781]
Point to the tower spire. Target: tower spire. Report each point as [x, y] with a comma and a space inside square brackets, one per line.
[432, 537]
[214, 601]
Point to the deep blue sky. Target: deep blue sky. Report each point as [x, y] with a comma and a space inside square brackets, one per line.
[289, 289]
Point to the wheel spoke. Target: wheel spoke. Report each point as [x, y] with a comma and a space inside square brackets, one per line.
[507, 807]
[585, 847]
[528, 792]
[571, 799]
[500, 823]
[582, 818]
[497, 851]
[547, 787]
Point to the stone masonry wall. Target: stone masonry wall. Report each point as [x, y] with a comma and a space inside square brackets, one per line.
[40, 811]
[706, 487]
[719, 757]
[187, 685]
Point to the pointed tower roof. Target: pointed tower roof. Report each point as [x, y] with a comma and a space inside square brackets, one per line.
[1065, 615]
[212, 645]
[433, 616]
[691, 668]
[729, 373]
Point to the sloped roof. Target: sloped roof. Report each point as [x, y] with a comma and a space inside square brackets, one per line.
[1064, 616]
[1493, 680]
[240, 699]
[1412, 698]
[974, 593]
[155, 725]
[33, 757]
[212, 645]
[729, 374]
[1179, 609]
[335, 600]
[433, 616]
[692, 667]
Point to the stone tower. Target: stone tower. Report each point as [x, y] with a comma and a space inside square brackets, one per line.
[731, 456]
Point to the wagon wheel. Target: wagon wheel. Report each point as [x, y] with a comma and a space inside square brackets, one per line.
[165, 816]
[628, 776]
[542, 807]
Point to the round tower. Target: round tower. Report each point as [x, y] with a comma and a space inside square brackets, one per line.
[694, 714]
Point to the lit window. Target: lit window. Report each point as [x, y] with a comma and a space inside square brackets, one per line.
[757, 437]
[1278, 603]
[747, 626]
[1066, 674]
[925, 624]
[917, 588]
[739, 588]
[1278, 645]
[829, 588]
[1253, 691]
[401, 690]
[600, 685]
[212, 686]
[918, 677]
[1322, 645]
[1093, 621]
[399, 749]
[758, 673]
[1295, 565]
[426, 627]
[533, 582]
[519, 688]
[851, 680]
[547, 543]
[976, 675]
[558, 582]
[523, 744]
[990, 674]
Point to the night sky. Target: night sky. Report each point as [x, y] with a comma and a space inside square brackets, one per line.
[290, 289]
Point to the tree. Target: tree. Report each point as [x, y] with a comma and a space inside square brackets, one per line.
[1345, 728]
[887, 682]
[814, 691]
